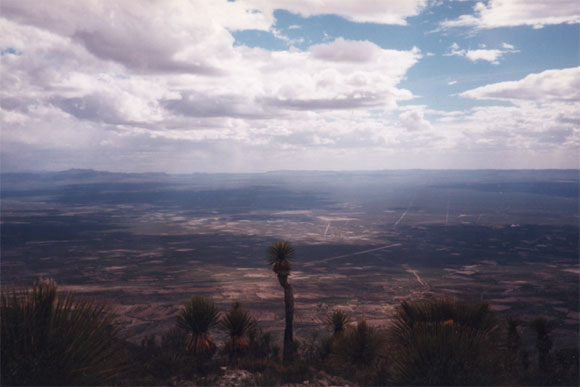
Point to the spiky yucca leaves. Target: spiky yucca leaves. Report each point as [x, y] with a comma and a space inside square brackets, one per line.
[198, 317]
[237, 323]
[337, 321]
[54, 339]
[280, 256]
[443, 342]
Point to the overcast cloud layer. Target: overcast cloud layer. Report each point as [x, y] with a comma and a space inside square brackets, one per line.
[167, 86]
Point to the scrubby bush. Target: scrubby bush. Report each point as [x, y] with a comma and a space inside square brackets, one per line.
[51, 338]
[566, 367]
[543, 329]
[359, 354]
[237, 323]
[261, 346]
[360, 345]
[444, 342]
[337, 321]
[198, 317]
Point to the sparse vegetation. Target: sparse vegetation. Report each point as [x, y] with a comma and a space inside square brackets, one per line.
[51, 338]
[543, 329]
[444, 342]
[198, 317]
[238, 324]
[337, 321]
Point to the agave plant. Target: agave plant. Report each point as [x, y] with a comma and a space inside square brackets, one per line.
[337, 321]
[237, 323]
[443, 342]
[50, 338]
[280, 256]
[198, 317]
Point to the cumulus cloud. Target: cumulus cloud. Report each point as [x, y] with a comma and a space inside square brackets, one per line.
[346, 51]
[489, 55]
[510, 13]
[371, 11]
[177, 36]
[414, 121]
[134, 82]
[161, 86]
[544, 117]
[550, 85]
[173, 36]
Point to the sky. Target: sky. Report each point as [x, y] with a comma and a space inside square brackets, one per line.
[259, 85]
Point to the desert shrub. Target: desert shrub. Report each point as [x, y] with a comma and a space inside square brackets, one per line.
[360, 345]
[443, 342]
[357, 354]
[566, 367]
[337, 321]
[158, 364]
[512, 346]
[198, 317]
[543, 329]
[56, 339]
[308, 350]
[297, 372]
[325, 347]
[261, 346]
[174, 340]
[237, 323]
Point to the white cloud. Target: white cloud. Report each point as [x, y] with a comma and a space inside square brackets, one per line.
[507, 46]
[90, 79]
[414, 120]
[346, 51]
[161, 86]
[489, 55]
[382, 12]
[510, 13]
[550, 85]
[454, 50]
[544, 118]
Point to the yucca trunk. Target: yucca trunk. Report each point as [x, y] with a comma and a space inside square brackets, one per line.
[288, 355]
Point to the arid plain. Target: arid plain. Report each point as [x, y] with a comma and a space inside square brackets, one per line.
[145, 243]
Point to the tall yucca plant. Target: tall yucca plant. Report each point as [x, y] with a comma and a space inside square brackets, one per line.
[54, 339]
[237, 323]
[198, 317]
[280, 257]
[443, 342]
